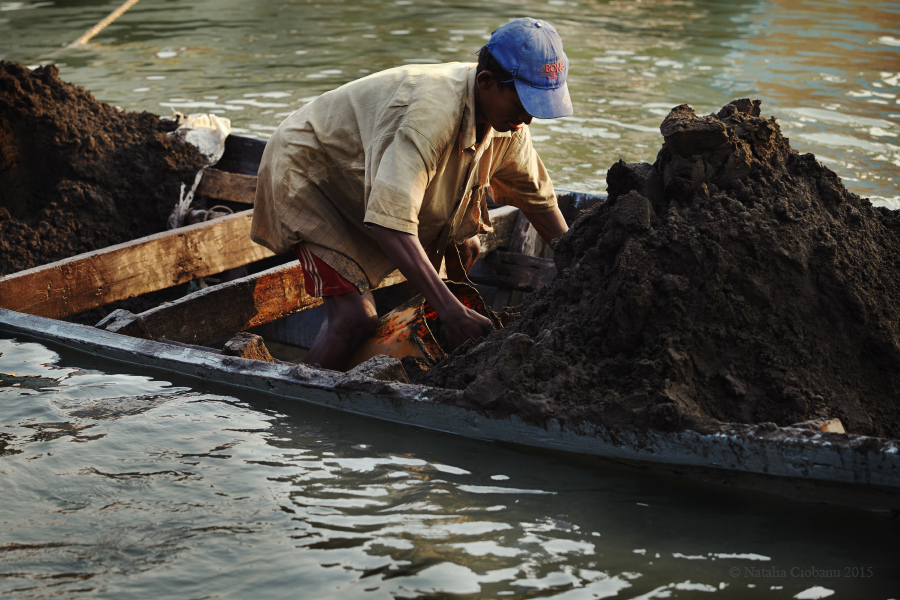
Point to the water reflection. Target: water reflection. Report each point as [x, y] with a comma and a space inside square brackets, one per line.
[831, 68]
[631, 62]
[124, 485]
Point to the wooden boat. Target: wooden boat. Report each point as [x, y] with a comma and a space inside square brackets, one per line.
[174, 336]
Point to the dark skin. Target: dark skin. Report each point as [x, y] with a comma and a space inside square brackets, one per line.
[503, 111]
[351, 318]
[500, 108]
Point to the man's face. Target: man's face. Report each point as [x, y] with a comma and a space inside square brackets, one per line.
[500, 108]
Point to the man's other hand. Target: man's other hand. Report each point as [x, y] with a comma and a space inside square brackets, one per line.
[466, 325]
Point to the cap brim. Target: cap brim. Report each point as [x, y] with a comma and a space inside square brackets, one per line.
[543, 103]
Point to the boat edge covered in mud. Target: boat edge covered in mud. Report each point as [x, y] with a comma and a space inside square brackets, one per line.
[867, 464]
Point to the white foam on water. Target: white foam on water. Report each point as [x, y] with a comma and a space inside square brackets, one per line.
[814, 593]
[744, 556]
[487, 548]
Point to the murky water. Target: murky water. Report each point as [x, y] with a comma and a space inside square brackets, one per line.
[123, 485]
[828, 69]
[120, 485]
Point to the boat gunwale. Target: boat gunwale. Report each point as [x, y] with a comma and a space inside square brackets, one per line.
[865, 462]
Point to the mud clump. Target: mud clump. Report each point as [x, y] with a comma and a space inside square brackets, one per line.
[76, 174]
[734, 280]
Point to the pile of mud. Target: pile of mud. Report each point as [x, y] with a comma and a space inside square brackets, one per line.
[733, 280]
[77, 175]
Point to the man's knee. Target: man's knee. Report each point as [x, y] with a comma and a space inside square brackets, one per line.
[359, 326]
[351, 317]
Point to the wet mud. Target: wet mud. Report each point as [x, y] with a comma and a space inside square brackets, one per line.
[77, 174]
[733, 280]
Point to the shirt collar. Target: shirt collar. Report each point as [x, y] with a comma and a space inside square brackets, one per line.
[467, 129]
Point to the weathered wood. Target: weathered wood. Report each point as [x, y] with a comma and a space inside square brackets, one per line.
[513, 271]
[247, 345]
[524, 239]
[224, 309]
[191, 346]
[524, 236]
[242, 155]
[232, 187]
[126, 323]
[517, 238]
[148, 264]
[503, 220]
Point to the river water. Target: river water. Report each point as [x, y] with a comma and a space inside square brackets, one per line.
[117, 483]
[121, 484]
[829, 70]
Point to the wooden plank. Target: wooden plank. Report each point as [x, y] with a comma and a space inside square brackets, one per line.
[514, 271]
[524, 237]
[503, 220]
[242, 155]
[233, 187]
[517, 241]
[225, 309]
[222, 310]
[148, 264]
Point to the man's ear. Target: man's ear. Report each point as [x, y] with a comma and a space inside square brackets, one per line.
[485, 80]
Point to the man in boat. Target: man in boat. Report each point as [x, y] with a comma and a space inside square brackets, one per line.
[391, 172]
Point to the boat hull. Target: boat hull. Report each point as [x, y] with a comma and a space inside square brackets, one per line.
[866, 465]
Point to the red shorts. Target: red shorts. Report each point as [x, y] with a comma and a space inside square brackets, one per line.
[318, 278]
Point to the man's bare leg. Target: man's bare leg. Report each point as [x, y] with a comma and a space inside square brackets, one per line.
[350, 319]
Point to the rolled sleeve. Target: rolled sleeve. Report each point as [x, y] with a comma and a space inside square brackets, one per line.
[521, 179]
[401, 178]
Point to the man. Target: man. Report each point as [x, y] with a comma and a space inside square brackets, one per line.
[390, 172]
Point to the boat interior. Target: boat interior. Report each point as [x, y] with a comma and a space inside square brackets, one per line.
[232, 285]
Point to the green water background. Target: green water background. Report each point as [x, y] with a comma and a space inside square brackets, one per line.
[829, 70]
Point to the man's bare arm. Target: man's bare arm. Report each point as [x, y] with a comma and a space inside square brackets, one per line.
[407, 254]
[550, 225]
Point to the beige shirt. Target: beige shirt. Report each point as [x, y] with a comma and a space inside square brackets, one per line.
[397, 149]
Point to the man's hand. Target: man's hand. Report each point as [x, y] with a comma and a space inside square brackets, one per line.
[468, 325]
[406, 252]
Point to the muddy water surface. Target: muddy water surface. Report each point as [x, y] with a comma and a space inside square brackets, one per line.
[828, 69]
[119, 484]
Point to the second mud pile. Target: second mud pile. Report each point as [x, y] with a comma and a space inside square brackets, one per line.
[733, 280]
[77, 174]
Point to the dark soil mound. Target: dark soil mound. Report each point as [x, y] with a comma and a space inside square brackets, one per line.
[733, 280]
[76, 174]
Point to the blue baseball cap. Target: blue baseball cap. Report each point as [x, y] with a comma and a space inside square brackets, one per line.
[531, 50]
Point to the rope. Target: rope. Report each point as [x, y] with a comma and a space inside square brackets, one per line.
[176, 219]
[217, 208]
[102, 24]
